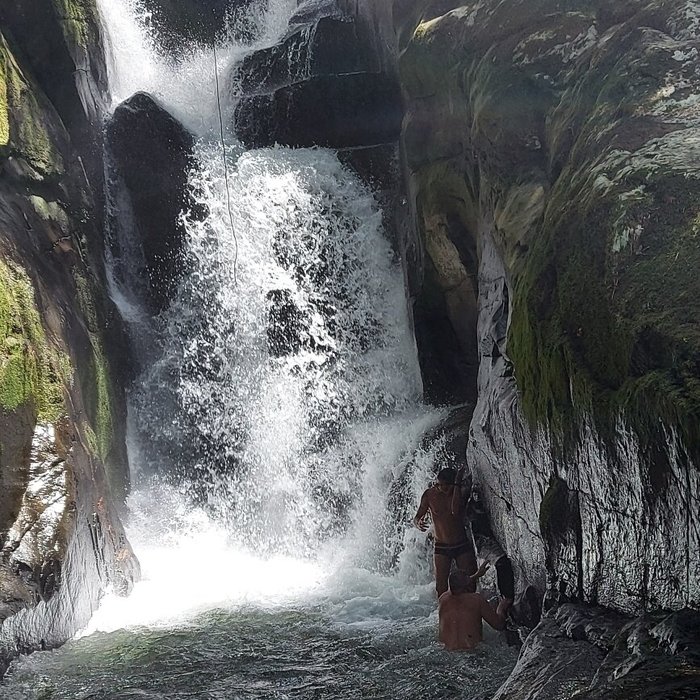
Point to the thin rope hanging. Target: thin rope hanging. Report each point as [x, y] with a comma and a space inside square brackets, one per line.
[223, 153]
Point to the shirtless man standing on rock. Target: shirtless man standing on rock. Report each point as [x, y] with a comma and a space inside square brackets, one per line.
[447, 504]
[461, 610]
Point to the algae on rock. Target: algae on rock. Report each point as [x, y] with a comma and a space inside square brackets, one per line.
[32, 370]
[63, 467]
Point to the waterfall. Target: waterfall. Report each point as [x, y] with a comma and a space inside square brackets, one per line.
[279, 400]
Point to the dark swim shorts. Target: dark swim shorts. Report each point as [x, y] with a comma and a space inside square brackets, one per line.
[454, 550]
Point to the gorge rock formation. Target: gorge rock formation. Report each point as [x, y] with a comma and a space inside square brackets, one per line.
[62, 457]
[563, 148]
[538, 166]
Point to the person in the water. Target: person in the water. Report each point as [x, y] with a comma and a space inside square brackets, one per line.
[446, 502]
[461, 611]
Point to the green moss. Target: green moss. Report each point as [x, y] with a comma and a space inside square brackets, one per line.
[78, 17]
[596, 324]
[99, 399]
[31, 368]
[4, 106]
[103, 416]
[86, 300]
[599, 227]
[26, 132]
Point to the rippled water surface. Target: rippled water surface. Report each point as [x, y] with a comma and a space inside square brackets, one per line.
[264, 653]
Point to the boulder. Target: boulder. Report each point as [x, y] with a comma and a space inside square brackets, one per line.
[345, 111]
[324, 84]
[329, 46]
[594, 654]
[153, 155]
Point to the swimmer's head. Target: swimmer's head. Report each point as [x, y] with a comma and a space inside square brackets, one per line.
[446, 478]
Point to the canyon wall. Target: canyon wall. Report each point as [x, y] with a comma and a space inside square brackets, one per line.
[551, 154]
[63, 466]
[552, 159]
[537, 162]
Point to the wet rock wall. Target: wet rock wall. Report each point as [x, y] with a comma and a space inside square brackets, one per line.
[62, 457]
[551, 158]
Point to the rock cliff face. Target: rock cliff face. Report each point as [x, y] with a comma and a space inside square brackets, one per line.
[547, 154]
[552, 166]
[62, 459]
[552, 159]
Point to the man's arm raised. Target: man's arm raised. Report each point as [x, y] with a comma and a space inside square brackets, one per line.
[419, 520]
[460, 492]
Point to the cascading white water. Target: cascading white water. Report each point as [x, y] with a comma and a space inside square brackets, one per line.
[286, 385]
[279, 420]
[186, 84]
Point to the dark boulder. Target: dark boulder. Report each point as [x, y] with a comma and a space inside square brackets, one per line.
[153, 155]
[555, 183]
[329, 46]
[63, 468]
[323, 84]
[339, 111]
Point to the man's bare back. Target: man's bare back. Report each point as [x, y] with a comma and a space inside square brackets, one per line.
[460, 619]
[448, 526]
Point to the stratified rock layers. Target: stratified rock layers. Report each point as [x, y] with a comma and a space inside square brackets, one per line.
[555, 151]
[324, 84]
[62, 457]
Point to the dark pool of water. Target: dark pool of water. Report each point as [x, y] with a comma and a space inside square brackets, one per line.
[270, 654]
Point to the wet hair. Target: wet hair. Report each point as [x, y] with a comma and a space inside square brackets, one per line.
[461, 582]
[447, 475]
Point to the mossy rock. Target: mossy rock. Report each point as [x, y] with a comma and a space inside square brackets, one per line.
[79, 19]
[98, 386]
[32, 369]
[579, 154]
[24, 131]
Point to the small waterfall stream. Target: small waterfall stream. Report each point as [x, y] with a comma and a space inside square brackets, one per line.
[278, 409]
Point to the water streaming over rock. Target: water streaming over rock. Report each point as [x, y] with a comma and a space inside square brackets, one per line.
[282, 382]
